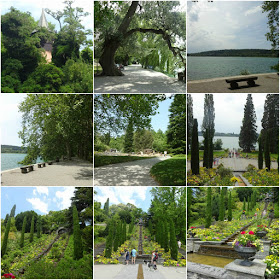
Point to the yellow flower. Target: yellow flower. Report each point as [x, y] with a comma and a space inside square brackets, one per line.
[258, 209]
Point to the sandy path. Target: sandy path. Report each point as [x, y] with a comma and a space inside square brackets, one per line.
[134, 173]
[138, 80]
[68, 173]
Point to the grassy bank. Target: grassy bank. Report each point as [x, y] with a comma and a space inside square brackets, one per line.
[106, 160]
[170, 172]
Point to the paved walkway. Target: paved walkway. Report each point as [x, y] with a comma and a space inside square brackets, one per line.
[236, 164]
[138, 80]
[68, 173]
[266, 83]
[134, 173]
[120, 271]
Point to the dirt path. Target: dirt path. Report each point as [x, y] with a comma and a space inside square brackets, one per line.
[134, 173]
[138, 80]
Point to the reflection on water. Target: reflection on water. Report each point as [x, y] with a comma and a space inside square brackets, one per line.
[208, 260]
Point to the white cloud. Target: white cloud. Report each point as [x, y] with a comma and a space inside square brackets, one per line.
[253, 10]
[41, 190]
[38, 204]
[64, 197]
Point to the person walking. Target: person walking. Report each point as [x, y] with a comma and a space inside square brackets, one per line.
[126, 256]
[133, 255]
[154, 259]
[179, 244]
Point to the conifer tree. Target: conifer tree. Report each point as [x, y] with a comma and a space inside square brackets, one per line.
[78, 246]
[260, 153]
[189, 203]
[128, 138]
[267, 151]
[208, 208]
[21, 244]
[165, 236]
[109, 241]
[124, 231]
[189, 121]
[38, 227]
[248, 133]
[244, 204]
[13, 211]
[5, 241]
[222, 206]
[173, 242]
[6, 219]
[248, 205]
[106, 207]
[117, 236]
[150, 226]
[229, 207]
[31, 237]
[195, 149]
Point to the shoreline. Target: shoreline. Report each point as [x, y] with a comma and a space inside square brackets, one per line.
[229, 77]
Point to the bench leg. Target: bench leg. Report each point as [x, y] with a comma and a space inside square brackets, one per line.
[234, 85]
[251, 83]
[23, 170]
[30, 168]
[39, 165]
[44, 165]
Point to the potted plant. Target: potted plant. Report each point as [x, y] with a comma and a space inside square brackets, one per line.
[261, 231]
[246, 245]
[191, 233]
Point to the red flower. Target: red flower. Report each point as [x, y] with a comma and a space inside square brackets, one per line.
[251, 232]
[193, 227]
[243, 232]
[258, 225]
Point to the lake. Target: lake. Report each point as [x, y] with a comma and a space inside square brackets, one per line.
[207, 67]
[228, 142]
[10, 161]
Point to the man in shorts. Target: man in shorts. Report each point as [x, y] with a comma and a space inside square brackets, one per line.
[133, 255]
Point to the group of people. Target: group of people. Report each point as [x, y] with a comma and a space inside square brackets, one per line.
[133, 254]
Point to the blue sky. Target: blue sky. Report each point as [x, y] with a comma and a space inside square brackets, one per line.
[139, 196]
[39, 199]
[226, 25]
[35, 8]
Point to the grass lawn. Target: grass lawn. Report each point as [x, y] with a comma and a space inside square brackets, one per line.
[170, 172]
[105, 160]
[255, 155]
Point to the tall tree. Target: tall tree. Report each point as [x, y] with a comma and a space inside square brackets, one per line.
[229, 207]
[270, 121]
[6, 219]
[244, 204]
[78, 246]
[13, 211]
[128, 139]
[21, 244]
[173, 242]
[109, 241]
[189, 203]
[222, 206]
[248, 205]
[208, 220]
[248, 133]
[38, 227]
[260, 152]
[267, 151]
[208, 129]
[143, 139]
[176, 130]
[189, 120]
[195, 149]
[6, 236]
[31, 236]
[106, 207]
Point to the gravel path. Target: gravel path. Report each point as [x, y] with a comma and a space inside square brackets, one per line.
[134, 173]
[138, 80]
[68, 173]
[119, 271]
[266, 83]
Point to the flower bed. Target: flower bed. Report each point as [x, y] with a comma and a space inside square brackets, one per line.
[247, 239]
[262, 177]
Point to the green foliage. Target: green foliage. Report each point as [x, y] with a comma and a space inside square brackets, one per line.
[208, 220]
[244, 72]
[222, 206]
[38, 227]
[173, 242]
[260, 153]
[5, 241]
[229, 207]
[105, 160]
[176, 130]
[109, 241]
[190, 121]
[248, 133]
[244, 204]
[160, 141]
[21, 244]
[195, 149]
[12, 214]
[20, 217]
[78, 247]
[106, 207]
[128, 139]
[143, 139]
[31, 236]
[238, 53]
[218, 145]
[170, 172]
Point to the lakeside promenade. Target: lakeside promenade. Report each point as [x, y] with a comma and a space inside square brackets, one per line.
[67, 173]
[266, 83]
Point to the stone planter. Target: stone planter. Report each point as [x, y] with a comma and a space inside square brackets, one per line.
[192, 234]
[261, 233]
[246, 253]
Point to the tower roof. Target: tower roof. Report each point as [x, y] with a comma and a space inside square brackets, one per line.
[43, 21]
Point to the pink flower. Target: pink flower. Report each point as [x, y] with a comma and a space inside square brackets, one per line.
[251, 232]
[243, 232]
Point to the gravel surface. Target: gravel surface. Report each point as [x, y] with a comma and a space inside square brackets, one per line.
[138, 80]
[134, 173]
[68, 173]
[266, 83]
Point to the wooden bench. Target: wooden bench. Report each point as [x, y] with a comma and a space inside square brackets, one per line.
[41, 164]
[234, 82]
[27, 167]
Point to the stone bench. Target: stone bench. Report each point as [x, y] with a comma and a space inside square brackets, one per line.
[41, 164]
[234, 81]
[27, 167]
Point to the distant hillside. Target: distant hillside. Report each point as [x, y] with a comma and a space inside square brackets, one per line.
[221, 134]
[12, 149]
[241, 52]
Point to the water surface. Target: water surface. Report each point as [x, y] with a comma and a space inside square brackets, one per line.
[207, 67]
[228, 142]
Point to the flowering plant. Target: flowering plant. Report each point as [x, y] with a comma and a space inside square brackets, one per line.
[272, 269]
[247, 240]
[8, 276]
[261, 228]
